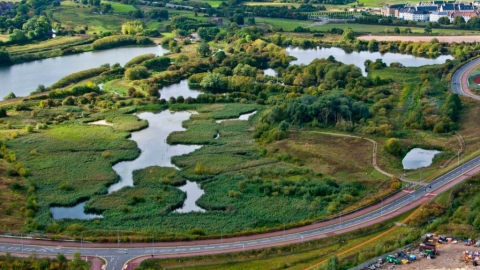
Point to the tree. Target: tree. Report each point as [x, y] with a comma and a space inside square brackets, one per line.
[239, 19]
[77, 263]
[18, 36]
[458, 21]
[213, 80]
[332, 263]
[393, 146]
[203, 49]
[9, 96]
[348, 35]
[5, 58]
[133, 27]
[444, 20]
[407, 30]
[136, 73]
[428, 29]
[396, 30]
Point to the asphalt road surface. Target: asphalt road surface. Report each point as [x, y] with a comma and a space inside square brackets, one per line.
[460, 79]
[117, 256]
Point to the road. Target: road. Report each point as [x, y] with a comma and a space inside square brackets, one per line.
[118, 255]
[460, 80]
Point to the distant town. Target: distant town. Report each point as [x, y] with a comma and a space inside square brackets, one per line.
[432, 11]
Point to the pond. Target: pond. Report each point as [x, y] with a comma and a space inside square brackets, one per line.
[418, 158]
[24, 78]
[306, 56]
[243, 117]
[75, 212]
[152, 141]
[194, 192]
[155, 151]
[178, 89]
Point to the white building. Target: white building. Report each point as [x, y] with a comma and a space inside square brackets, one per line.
[436, 15]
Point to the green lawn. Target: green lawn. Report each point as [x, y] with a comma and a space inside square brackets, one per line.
[119, 7]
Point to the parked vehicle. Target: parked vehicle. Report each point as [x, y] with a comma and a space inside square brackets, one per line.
[392, 259]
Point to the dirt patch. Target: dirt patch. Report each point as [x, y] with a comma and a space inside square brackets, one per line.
[476, 80]
[449, 257]
[445, 39]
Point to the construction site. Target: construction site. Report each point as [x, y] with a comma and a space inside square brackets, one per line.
[433, 252]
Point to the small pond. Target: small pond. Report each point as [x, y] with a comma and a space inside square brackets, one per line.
[194, 192]
[178, 89]
[155, 151]
[418, 158]
[306, 56]
[24, 78]
[75, 212]
[243, 117]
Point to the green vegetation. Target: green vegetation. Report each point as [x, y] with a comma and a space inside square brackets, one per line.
[35, 262]
[119, 7]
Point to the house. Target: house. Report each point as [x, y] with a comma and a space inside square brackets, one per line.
[216, 20]
[392, 10]
[467, 15]
[413, 14]
[436, 15]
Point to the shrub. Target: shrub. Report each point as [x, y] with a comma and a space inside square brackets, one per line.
[139, 59]
[3, 112]
[9, 96]
[78, 76]
[117, 41]
[136, 73]
[196, 231]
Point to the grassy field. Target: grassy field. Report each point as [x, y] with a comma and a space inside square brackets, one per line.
[78, 17]
[290, 25]
[119, 7]
[50, 44]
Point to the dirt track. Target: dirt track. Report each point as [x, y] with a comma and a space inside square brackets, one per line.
[446, 39]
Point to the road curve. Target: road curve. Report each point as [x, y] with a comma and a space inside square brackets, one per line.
[460, 80]
[119, 255]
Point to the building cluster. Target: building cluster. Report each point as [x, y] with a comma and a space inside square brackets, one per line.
[432, 11]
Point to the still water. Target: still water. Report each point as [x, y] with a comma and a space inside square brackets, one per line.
[418, 158]
[155, 151]
[24, 78]
[306, 56]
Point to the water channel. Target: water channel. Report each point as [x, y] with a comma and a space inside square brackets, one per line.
[306, 56]
[24, 78]
[418, 158]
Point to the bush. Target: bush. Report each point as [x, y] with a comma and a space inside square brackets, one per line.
[116, 41]
[78, 76]
[9, 96]
[3, 112]
[136, 73]
[393, 146]
[139, 59]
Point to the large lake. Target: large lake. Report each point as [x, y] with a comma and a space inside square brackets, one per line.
[24, 78]
[306, 56]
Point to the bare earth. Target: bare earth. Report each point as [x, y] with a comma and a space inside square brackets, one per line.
[449, 258]
[445, 39]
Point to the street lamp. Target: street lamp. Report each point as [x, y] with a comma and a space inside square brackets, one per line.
[458, 157]
[21, 237]
[153, 243]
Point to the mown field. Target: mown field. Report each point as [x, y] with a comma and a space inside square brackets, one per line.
[119, 7]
